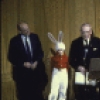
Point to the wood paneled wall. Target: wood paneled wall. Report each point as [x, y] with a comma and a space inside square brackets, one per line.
[43, 16]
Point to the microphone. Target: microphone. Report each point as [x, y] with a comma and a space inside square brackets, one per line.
[86, 51]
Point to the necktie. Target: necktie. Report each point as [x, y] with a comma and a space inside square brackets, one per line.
[28, 49]
[86, 41]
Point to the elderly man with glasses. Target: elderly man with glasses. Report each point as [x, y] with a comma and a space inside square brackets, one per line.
[82, 49]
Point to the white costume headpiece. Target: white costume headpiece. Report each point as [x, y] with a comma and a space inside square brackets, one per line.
[59, 45]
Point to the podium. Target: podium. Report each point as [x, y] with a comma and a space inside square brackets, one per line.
[92, 76]
[94, 69]
[86, 86]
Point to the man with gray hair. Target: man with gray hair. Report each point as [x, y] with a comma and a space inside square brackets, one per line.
[81, 51]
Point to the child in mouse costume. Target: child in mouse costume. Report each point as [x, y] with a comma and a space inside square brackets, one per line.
[59, 64]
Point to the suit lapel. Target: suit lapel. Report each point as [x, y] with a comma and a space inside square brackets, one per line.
[82, 47]
[21, 43]
[32, 43]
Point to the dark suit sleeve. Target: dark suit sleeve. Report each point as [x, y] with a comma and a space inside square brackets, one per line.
[13, 55]
[40, 53]
[72, 55]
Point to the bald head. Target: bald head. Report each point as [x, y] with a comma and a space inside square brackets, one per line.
[23, 28]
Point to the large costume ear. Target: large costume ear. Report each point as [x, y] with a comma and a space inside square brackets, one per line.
[60, 36]
[51, 37]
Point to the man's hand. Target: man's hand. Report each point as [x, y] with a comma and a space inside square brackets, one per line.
[27, 64]
[82, 69]
[34, 65]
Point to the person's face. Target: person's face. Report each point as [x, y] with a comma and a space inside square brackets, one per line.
[86, 32]
[24, 29]
[61, 52]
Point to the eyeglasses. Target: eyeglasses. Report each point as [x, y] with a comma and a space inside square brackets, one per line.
[85, 31]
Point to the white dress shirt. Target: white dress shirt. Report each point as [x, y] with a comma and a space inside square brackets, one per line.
[29, 42]
[84, 41]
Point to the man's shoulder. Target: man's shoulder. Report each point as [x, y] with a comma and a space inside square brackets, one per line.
[96, 38]
[16, 37]
[33, 34]
[77, 40]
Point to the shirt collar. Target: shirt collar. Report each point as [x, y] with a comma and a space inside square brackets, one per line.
[84, 41]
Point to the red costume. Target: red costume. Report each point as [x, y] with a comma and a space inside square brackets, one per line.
[59, 61]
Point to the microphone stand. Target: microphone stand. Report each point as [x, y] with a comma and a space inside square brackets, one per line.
[86, 51]
[85, 79]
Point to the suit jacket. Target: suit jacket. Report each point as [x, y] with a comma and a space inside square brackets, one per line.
[79, 56]
[17, 56]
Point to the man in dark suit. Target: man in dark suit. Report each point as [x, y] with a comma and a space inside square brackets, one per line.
[25, 54]
[81, 51]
